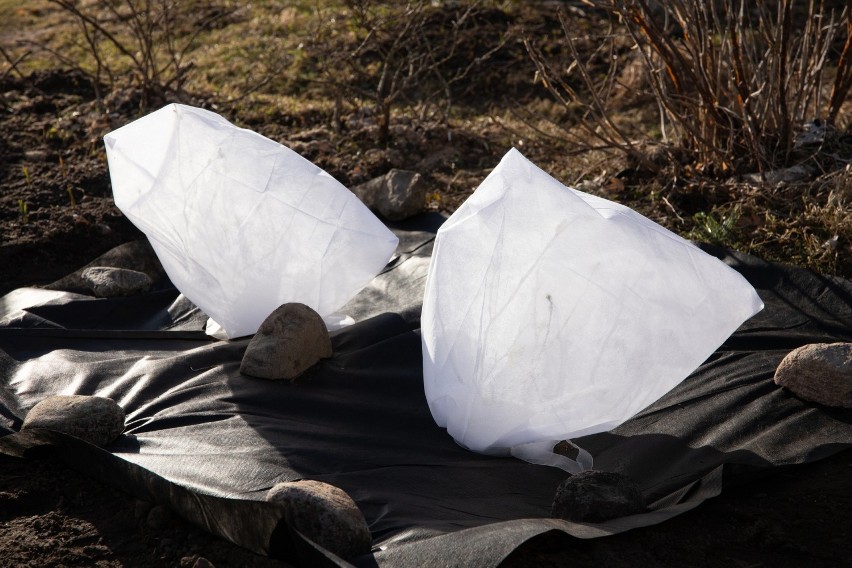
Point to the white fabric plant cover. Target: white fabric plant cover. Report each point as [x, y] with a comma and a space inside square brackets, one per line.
[241, 223]
[550, 314]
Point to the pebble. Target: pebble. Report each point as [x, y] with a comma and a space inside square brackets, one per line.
[595, 496]
[289, 342]
[819, 372]
[324, 513]
[95, 419]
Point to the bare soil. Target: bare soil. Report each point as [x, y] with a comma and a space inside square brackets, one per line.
[56, 214]
[51, 515]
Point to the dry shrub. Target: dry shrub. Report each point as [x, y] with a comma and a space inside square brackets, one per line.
[734, 81]
[584, 79]
[416, 55]
[141, 42]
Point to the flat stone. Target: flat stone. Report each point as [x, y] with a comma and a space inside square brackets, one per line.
[819, 372]
[135, 255]
[289, 342]
[595, 496]
[109, 282]
[325, 514]
[95, 419]
[397, 195]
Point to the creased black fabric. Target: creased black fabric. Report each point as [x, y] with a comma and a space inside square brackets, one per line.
[209, 442]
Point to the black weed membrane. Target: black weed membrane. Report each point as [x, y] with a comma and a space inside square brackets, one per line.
[208, 442]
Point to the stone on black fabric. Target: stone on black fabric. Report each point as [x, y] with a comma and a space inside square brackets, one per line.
[289, 342]
[136, 255]
[596, 496]
[819, 372]
[108, 282]
[324, 513]
[567, 448]
[95, 419]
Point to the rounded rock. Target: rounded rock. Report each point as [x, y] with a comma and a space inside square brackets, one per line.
[94, 419]
[595, 496]
[325, 514]
[819, 372]
[404, 195]
[397, 195]
[289, 342]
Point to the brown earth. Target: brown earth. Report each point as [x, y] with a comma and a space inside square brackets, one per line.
[56, 214]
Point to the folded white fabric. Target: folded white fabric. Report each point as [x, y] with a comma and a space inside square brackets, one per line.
[241, 223]
[550, 313]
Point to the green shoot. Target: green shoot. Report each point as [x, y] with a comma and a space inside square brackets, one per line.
[24, 211]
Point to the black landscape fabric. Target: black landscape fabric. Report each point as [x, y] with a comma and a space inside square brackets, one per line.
[208, 442]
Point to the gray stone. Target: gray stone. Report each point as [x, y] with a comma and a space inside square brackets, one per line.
[325, 514]
[108, 282]
[95, 419]
[397, 195]
[813, 135]
[289, 342]
[791, 175]
[596, 496]
[819, 372]
[136, 255]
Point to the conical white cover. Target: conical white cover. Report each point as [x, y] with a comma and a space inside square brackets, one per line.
[241, 223]
[550, 313]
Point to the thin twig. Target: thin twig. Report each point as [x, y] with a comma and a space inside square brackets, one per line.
[13, 62]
